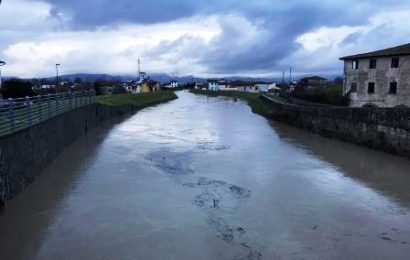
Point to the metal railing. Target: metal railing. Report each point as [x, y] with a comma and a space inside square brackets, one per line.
[20, 113]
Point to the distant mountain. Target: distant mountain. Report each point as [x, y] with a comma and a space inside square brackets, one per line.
[160, 77]
[163, 78]
[93, 77]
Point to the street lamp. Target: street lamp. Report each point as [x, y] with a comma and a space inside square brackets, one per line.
[57, 74]
[2, 63]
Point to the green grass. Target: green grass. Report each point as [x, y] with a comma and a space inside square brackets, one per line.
[137, 100]
[254, 100]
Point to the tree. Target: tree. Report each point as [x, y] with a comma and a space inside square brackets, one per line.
[17, 88]
[78, 80]
[97, 88]
[338, 80]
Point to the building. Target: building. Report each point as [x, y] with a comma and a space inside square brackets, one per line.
[254, 87]
[149, 85]
[313, 81]
[201, 86]
[213, 85]
[171, 85]
[174, 84]
[265, 86]
[142, 76]
[379, 78]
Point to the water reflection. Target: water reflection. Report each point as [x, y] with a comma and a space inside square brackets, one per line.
[385, 172]
[30, 214]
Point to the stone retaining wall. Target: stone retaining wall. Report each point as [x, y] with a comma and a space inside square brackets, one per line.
[384, 129]
[25, 154]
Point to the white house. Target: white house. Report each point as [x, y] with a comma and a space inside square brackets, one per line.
[171, 85]
[174, 84]
[262, 87]
[273, 86]
[213, 85]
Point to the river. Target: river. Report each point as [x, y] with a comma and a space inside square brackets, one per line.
[205, 178]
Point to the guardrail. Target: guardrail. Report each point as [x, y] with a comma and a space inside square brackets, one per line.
[20, 113]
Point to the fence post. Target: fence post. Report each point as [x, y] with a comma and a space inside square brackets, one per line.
[40, 107]
[63, 101]
[57, 105]
[11, 116]
[30, 116]
[49, 105]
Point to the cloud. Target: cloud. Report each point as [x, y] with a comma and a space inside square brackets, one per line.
[115, 50]
[194, 37]
[321, 48]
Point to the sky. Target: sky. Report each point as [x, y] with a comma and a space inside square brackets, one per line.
[195, 37]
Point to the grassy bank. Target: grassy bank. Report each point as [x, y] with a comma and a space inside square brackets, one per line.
[137, 100]
[254, 100]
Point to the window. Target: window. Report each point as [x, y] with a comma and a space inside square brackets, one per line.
[395, 62]
[353, 87]
[355, 65]
[370, 87]
[393, 88]
[373, 63]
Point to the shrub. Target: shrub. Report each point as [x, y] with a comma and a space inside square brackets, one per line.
[17, 88]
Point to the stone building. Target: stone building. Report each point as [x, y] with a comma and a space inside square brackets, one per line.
[380, 78]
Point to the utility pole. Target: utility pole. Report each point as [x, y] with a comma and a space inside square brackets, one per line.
[2, 63]
[283, 77]
[57, 74]
[290, 75]
[139, 67]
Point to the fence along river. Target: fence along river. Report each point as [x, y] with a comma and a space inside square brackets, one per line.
[204, 178]
[19, 113]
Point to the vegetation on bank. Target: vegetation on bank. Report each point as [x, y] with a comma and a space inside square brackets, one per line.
[137, 100]
[254, 100]
[331, 94]
[17, 88]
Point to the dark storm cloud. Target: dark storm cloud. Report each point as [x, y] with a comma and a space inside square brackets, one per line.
[277, 28]
[93, 13]
[277, 25]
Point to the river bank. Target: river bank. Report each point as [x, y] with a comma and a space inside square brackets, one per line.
[254, 100]
[25, 154]
[383, 129]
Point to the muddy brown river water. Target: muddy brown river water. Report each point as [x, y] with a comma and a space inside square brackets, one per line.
[205, 178]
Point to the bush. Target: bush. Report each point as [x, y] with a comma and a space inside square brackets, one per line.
[331, 94]
[17, 88]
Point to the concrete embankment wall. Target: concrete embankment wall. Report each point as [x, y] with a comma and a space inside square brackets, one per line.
[384, 129]
[25, 154]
